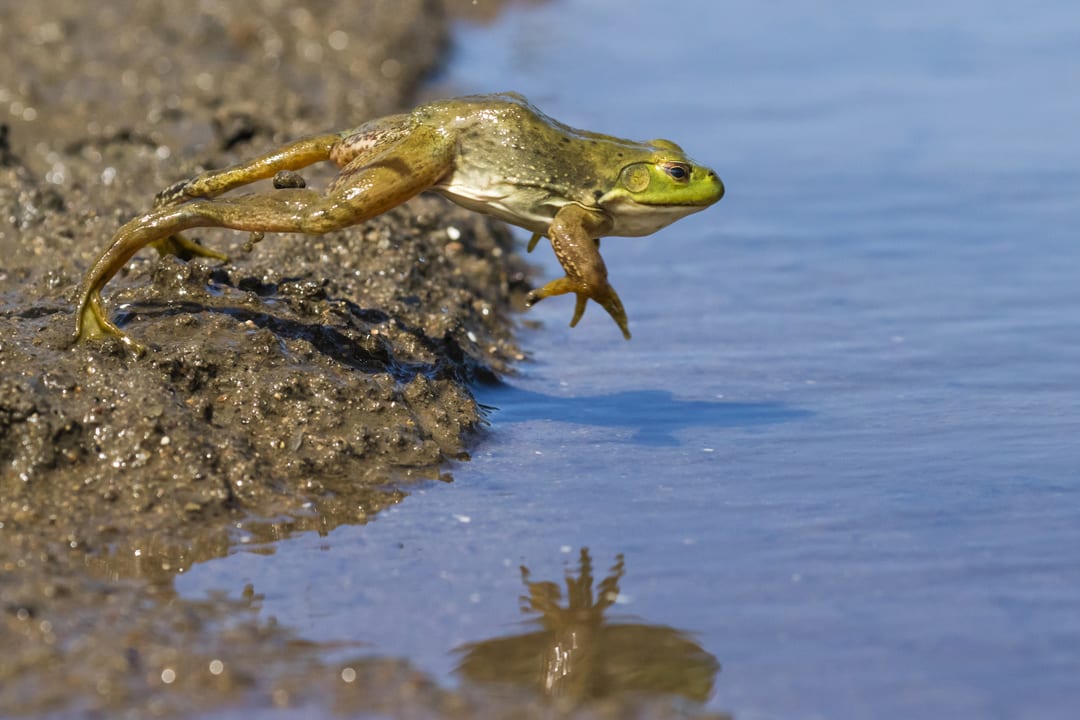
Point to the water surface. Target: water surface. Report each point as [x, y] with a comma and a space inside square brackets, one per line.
[841, 451]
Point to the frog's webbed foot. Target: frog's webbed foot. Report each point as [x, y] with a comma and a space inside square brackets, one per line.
[92, 323]
[185, 249]
[604, 294]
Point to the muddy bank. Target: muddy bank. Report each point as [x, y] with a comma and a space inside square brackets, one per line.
[296, 386]
[336, 358]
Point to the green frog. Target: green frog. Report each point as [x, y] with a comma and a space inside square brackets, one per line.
[496, 154]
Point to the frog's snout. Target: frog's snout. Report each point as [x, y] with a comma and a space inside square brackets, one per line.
[718, 182]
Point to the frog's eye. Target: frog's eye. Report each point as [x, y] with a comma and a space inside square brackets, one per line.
[677, 170]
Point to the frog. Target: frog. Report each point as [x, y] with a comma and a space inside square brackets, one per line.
[495, 153]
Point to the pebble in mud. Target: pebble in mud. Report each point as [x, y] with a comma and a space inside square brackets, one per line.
[288, 179]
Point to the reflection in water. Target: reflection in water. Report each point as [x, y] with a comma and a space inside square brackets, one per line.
[579, 656]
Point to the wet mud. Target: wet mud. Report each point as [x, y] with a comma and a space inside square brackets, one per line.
[303, 384]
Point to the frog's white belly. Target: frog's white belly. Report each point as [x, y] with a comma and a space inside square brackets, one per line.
[529, 208]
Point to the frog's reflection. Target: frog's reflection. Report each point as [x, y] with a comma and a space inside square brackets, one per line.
[579, 655]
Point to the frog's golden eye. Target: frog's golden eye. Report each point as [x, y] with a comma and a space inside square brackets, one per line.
[677, 170]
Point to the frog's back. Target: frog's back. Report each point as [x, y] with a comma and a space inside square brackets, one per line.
[479, 114]
[515, 162]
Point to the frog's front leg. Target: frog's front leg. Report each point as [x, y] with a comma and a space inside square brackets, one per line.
[372, 183]
[537, 237]
[573, 235]
[294, 156]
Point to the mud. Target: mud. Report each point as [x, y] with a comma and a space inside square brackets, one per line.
[306, 383]
[299, 386]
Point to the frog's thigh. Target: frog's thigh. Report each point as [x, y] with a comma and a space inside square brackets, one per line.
[397, 170]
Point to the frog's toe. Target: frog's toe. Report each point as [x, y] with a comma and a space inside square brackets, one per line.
[609, 300]
[556, 287]
[579, 308]
[92, 324]
[185, 249]
[172, 195]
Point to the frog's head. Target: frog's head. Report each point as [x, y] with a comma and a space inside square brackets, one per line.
[659, 187]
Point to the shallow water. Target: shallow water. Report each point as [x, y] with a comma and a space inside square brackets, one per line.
[842, 448]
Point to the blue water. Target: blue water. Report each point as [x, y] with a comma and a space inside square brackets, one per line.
[843, 448]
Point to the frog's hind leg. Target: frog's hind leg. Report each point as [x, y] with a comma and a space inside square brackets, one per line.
[291, 210]
[368, 186]
[294, 156]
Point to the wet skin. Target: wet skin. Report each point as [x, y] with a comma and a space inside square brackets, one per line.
[495, 154]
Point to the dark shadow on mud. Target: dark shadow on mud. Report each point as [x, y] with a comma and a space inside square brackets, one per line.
[655, 415]
[327, 340]
[363, 351]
